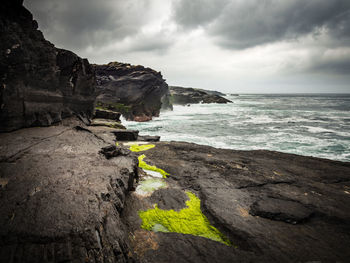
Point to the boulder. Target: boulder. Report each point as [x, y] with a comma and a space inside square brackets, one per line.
[185, 96]
[137, 92]
[39, 84]
[126, 135]
[107, 114]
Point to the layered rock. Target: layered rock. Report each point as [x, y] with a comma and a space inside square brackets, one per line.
[137, 92]
[39, 84]
[183, 96]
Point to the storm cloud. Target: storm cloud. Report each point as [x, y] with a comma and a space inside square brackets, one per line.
[243, 24]
[248, 45]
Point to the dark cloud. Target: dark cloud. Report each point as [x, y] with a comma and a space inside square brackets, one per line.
[243, 24]
[194, 13]
[76, 24]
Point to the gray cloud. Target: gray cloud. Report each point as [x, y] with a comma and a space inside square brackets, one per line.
[194, 13]
[76, 24]
[243, 24]
[334, 65]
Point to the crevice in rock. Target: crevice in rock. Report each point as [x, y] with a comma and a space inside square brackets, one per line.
[18, 155]
[264, 184]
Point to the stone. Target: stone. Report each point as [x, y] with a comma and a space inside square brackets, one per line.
[126, 135]
[113, 151]
[107, 114]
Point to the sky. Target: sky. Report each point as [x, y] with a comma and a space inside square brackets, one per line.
[233, 46]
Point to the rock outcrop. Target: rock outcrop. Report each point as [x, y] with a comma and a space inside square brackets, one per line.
[64, 195]
[273, 207]
[137, 92]
[39, 84]
[184, 96]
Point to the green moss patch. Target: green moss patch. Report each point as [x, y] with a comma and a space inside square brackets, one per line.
[140, 148]
[144, 165]
[189, 220]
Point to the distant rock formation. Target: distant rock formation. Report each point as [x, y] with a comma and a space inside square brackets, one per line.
[39, 84]
[137, 92]
[183, 96]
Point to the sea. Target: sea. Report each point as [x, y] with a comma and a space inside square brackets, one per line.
[306, 124]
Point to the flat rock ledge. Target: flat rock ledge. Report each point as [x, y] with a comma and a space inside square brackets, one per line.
[66, 195]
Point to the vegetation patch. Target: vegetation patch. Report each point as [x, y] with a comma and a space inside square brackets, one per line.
[140, 148]
[189, 220]
[120, 107]
[144, 165]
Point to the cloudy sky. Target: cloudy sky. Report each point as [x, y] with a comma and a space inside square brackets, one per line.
[237, 46]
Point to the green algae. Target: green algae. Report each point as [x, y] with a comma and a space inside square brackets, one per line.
[139, 148]
[144, 165]
[189, 220]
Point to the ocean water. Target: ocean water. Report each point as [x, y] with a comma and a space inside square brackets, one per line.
[312, 125]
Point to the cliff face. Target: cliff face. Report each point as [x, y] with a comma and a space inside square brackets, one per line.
[138, 92]
[39, 84]
[183, 96]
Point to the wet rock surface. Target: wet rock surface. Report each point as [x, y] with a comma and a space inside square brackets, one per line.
[137, 92]
[39, 84]
[63, 199]
[184, 96]
[274, 207]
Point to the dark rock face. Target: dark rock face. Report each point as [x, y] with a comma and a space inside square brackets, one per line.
[63, 200]
[274, 207]
[39, 84]
[137, 92]
[183, 96]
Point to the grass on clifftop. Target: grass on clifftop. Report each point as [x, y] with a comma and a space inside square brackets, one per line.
[139, 148]
[189, 220]
[144, 165]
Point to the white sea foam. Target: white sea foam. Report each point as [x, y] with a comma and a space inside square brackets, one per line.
[300, 125]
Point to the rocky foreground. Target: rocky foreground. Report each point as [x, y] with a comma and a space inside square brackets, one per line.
[68, 195]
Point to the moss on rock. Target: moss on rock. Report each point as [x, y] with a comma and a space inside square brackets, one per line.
[144, 165]
[189, 220]
[139, 148]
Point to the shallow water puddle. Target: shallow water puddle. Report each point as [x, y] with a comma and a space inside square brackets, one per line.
[148, 185]
[189, 220]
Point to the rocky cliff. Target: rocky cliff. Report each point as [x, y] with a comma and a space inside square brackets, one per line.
[39, 84]
[183, 96]
[138, 92]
